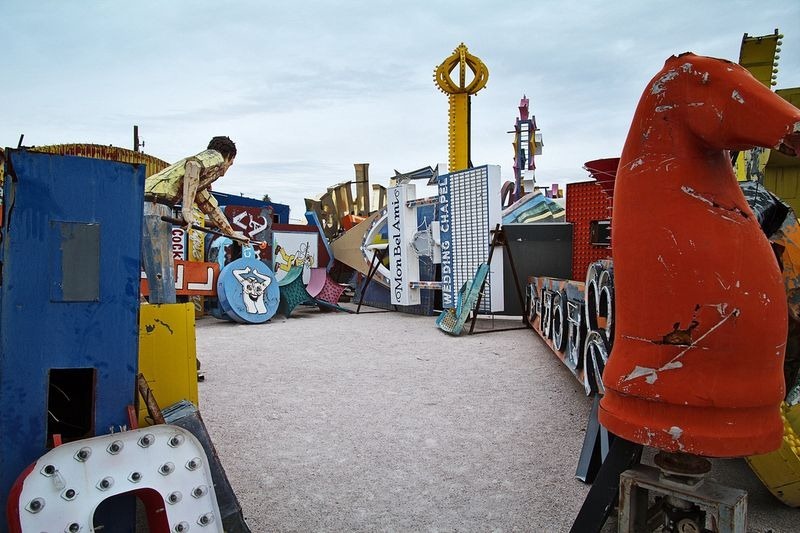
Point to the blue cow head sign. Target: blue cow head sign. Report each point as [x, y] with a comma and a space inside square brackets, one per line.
[247, 289]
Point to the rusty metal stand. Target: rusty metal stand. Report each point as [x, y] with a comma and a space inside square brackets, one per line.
[499, 239]
[683, 499]
[149, 400]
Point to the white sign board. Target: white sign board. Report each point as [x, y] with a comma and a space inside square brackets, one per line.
[469, 208]
[403, 264]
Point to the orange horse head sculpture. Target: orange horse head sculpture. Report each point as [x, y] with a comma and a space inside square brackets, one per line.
[701, 312]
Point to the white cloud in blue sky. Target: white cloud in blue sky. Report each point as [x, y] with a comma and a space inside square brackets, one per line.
[306, 89]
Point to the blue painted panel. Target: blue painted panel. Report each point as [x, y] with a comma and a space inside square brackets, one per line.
[313, 220]
[45, 194]
[281, 210]
[215, 252]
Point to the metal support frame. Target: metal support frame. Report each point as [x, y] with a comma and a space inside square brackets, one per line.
[499, 239]
[725, 508]
[596, 445]
[594, 512]
[379, 251]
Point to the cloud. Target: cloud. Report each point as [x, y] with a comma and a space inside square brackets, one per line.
[307, 89]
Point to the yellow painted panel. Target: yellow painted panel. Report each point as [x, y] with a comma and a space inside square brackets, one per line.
[782, 173]
[790, 94]
[786, 188]
[459, 132]
[780, 470]
[757, 54]
[168, 354]
[777, 159]
[152, 164]
[785, 184]
[771, 177]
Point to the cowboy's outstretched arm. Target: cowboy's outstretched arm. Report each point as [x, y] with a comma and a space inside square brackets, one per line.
[191, 181]
[219, 219]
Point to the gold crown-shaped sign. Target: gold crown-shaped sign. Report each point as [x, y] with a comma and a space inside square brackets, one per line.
[462, 59]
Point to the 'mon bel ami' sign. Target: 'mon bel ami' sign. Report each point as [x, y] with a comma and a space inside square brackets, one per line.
[469, 208]
[403, 264]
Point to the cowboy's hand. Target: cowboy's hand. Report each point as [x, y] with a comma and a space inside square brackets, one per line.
[188, 218]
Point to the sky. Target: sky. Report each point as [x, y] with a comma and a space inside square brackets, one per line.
[307, 89]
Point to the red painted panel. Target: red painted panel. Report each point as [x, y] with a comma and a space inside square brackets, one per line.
[586, 202]
[192, 278]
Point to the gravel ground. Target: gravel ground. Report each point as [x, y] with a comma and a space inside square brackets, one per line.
[381, 422]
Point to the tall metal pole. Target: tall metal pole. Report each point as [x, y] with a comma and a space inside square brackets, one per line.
[135, 138]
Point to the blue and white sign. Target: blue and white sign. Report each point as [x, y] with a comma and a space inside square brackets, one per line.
[247, 289]
[469, 209]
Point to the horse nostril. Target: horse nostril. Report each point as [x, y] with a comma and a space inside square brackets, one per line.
[790, 145]
[787, 149]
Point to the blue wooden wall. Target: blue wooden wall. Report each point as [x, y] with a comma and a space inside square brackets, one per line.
[69, 293]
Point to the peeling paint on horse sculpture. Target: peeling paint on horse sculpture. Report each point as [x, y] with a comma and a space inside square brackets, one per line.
[700, 305]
